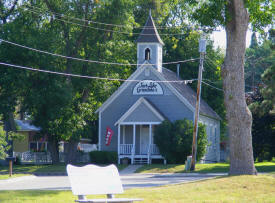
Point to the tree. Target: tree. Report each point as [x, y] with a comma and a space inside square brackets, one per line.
[235, 15]
[8, 86]
[258, 58]
[268, 90]
[7, 8]
[179, 134]
[262, 105]
[261, 101]
[263, 128]
[3, 144]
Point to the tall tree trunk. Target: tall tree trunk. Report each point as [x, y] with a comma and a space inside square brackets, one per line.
[238, 115]
[54, 149]
[9, 125]
[70, 152]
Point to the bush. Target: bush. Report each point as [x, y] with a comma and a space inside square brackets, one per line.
[103, 157]
[174, 140]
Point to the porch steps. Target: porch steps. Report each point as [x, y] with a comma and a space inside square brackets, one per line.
[138, 161]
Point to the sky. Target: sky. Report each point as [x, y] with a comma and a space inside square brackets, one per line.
[219, 38]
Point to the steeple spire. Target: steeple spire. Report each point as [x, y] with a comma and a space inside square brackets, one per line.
[149, 32]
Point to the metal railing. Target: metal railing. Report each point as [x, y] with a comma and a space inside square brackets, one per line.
[34, 157]
[45, 157]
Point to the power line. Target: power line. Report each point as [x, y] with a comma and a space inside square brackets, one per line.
[79, 19]
[92, 61]
[214, 63]
[103, 29]
[212, 86]
[214, 83]
[116, 25]
[90, 77]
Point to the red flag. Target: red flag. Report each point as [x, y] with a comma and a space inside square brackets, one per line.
[109, 134]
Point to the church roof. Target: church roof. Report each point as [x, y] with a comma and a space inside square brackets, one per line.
[182, 90]
[149, 32]
[186, 91]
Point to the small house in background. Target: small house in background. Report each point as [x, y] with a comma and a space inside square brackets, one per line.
[85, 145]
[149, 96]
[30, 142]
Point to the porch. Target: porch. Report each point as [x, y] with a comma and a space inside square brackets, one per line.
[136, 133]
[136, 142]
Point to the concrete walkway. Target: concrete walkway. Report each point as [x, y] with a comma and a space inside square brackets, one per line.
[130, 169]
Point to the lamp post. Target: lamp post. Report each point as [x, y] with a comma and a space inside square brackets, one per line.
[202, 50]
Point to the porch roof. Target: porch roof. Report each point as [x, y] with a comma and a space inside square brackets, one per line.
[25, 126]
[141, 111]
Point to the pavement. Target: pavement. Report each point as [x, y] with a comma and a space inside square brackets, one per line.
[128, 177]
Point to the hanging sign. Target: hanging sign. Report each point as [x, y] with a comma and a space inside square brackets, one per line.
[108, 137]
[148, 87]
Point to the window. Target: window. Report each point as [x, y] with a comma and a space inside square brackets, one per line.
[38, 146]
[147, 54]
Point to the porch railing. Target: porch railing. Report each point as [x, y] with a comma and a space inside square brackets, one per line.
[126, 148]
[154, 149]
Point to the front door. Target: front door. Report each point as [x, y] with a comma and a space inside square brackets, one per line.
[144, 139]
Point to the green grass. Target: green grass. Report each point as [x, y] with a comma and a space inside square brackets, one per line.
[6, 176]
[201, 168]
[35, 168]
[40, 168]
[243, 189]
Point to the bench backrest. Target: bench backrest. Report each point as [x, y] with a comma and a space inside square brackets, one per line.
[92, 179]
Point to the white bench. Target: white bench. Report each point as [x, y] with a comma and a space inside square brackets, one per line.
[96, 180]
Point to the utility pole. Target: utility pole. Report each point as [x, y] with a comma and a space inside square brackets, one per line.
[202, 50]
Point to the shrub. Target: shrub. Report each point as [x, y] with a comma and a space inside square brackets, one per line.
[174, 140]
[103, 157]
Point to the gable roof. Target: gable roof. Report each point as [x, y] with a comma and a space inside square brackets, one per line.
[141, 101]
[187, 92]
[181, 90]
[149, 33]
[26, 126]
[120, 89]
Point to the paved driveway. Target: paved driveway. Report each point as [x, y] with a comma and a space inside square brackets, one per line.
[128, 181]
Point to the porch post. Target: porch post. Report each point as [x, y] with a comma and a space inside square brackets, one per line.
[134, 142]
[118, 144]
[150, 143]
[123, 134]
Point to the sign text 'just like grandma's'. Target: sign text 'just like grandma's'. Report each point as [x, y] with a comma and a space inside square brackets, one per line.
[148, 87]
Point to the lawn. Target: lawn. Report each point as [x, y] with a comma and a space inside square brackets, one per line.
[34, 168]
[6, 176]
[201, 168]
[243, 189]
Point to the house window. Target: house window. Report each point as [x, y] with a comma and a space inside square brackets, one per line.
[147, 54]
[38, 146]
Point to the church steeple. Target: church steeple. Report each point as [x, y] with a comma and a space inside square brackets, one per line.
[149, 32]
[150, 45]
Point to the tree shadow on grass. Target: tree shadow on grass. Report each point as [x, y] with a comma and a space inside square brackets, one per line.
[35, 196]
